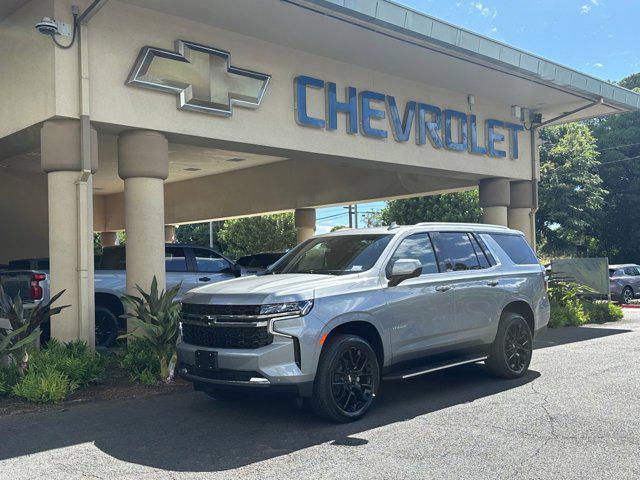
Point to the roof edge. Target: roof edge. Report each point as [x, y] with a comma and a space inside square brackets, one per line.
[398, 21]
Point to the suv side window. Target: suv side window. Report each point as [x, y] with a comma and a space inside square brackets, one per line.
[455, 251]
[516, 247]
[632, 271]
[482, 258]
[416, 247]
[208, 261]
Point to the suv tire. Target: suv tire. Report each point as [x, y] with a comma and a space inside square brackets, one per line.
[106, 327]
[510, 352]
[347, 379]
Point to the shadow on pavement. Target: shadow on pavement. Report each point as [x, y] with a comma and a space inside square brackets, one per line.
[192, 432]
[561, 336]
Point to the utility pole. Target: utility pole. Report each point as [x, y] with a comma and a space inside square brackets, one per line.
[350, 216]
[355, 212]
[210, 234]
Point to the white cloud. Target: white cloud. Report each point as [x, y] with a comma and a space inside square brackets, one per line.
[598, 65]
[585, 9]
[494, 30]
[483, 9]
[595, 2]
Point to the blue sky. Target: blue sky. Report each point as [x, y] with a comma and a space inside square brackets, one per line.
[598, 37]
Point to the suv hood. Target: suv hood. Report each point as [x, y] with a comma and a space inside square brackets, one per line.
[258, 290]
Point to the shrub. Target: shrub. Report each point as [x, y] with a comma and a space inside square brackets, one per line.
[602, 312]
[140, 362]
[154, 317]
[8, 378]
[14, 343]
[44, 386]
[73, 359]
[569, 313]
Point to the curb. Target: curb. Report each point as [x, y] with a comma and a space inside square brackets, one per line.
[629, 305]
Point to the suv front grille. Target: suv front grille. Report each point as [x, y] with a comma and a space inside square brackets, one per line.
[226, 337]
[220, 310]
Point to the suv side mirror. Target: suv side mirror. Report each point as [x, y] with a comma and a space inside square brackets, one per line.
[403, 269]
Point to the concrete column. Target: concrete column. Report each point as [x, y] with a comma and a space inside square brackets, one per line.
[521, 214]
[305, 223]
[70, 210]
[170, 233]
[108, 239]
[494, 200]
[143, 164]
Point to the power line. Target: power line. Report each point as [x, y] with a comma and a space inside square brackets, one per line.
[621, 160]
[619, 146]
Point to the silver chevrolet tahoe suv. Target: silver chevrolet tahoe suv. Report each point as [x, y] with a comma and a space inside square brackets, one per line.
[345, 310]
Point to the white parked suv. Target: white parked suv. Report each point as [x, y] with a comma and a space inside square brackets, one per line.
[342, 311]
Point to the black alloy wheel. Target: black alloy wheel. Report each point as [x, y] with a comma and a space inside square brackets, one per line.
[352, 385]
[347, 379]
[517, 347]
[511, 351]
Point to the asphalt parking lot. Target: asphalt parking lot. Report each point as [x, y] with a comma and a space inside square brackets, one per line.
[575, 415]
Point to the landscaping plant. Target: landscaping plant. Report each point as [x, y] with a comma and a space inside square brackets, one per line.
[58, 370]
[15, 343]
[569, 307]
[154, 318]
[141, 363]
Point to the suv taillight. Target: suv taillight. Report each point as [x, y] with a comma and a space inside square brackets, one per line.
[36, 289]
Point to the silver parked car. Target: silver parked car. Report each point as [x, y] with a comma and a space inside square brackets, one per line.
[342, 311]
[624, 281]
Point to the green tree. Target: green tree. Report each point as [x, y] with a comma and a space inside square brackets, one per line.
[448, 207]
[617, 230]
[571, 192]
[198, 234]
[267, 233]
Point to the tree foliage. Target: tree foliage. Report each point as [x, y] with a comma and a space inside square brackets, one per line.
[571, 192]
[267, 233]
[198, 234]
[617, 229]
[449, 207]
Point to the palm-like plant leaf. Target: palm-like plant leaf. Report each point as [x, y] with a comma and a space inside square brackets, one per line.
[154, 316]
[24, 323]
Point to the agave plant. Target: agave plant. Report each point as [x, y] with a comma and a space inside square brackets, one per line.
[154, 317]
[14, 343]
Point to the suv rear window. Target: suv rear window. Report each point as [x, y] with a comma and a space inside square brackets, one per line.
[516, 247]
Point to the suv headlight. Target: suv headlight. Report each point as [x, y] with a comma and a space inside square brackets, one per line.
[299, 308]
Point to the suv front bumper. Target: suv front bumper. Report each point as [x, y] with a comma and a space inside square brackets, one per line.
[269, 368]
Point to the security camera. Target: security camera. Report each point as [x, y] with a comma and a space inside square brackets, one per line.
[47, 26]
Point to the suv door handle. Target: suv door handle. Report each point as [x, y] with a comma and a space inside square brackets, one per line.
[443, 288]
[492, 283]
[204, 279]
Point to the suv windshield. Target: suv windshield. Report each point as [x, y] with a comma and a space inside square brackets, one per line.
[337, 255]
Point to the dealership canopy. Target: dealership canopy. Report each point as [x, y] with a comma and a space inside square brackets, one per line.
[165, 112]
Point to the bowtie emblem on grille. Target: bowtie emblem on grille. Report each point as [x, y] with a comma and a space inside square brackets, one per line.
[201, 76]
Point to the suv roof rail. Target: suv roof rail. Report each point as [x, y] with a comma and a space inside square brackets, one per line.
[474, 225]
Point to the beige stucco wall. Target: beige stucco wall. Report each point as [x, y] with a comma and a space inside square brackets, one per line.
[26, 69]
[276, 187]
[23, 215]
[119, 31]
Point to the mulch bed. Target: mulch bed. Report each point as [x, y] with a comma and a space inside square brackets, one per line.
[117, 386]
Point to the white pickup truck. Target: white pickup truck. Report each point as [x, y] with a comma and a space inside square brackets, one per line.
[187, 265]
